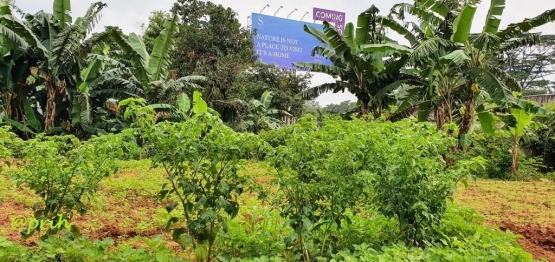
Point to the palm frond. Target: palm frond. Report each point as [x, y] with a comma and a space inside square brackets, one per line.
[498, 91]
[493, 18]
[91, 18]
[398, 28]
[510, 81]
[423, 15]
[159, 59]
[65, 48]
[62, 10]
[24, 32]
[485, 41]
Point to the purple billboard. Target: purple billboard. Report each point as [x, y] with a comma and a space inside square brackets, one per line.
[335, 17]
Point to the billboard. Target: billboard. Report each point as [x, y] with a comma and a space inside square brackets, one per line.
[334, 17]
[283, 42]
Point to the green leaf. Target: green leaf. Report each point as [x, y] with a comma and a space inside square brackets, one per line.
[523, 120]
[139, 46]
[386, 49]
[177, 233]
[171, 221]
[424, 111]
[159, 59]
[465, 140]
[199, 105]
[463, 23]
[400, 29]
[32, 120]
[183, 102]
[266, 99]
[62, 10]
[494, 16]
[362, 31]
[171, 207]
[487, 122]
[349, 34]
[162, 194]
[491, 84]
[19, 126]
[517, 29]
[457, 57]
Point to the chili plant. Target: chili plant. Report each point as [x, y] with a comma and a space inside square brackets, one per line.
[201, 157]
[65, 173]
[320, 176]
[411, 181]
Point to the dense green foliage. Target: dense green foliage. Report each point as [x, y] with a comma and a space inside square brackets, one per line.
[376, 187]
[203, 172]
[64, 172]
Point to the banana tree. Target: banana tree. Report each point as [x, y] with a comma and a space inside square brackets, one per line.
[54, 50]
[464, 68]
[149, 72]
[368, 64]
[262, 116]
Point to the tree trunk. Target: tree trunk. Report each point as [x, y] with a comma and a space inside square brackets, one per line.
[52, 89]
[364, 108]
[440, 115]
[516, 150]
[466, 118]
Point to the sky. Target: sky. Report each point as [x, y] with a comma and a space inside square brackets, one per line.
[130, 14]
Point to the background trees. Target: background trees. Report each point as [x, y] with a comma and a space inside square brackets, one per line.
[532, 65]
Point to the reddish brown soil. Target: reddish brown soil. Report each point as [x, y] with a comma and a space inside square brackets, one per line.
[539, 240]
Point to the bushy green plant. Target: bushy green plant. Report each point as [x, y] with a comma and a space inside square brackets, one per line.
[10, 143]
[497, 150]
[465, 238]
[201, 157]
[81, 249]
[320, 174]
[253, 234]
[412, 181]
[64, 172]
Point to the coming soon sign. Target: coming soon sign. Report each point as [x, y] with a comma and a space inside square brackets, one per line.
[330, 16]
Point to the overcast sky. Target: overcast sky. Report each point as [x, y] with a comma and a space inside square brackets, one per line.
[129, 14]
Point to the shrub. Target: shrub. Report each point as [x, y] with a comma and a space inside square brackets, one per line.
[320, 176]
[412, 182]
[70, 249]
[201, 157]
[64, 171]
[10, 143]
[497, 151]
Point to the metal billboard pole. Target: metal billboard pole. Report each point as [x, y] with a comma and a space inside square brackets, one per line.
[278, 10]
[291, 13]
